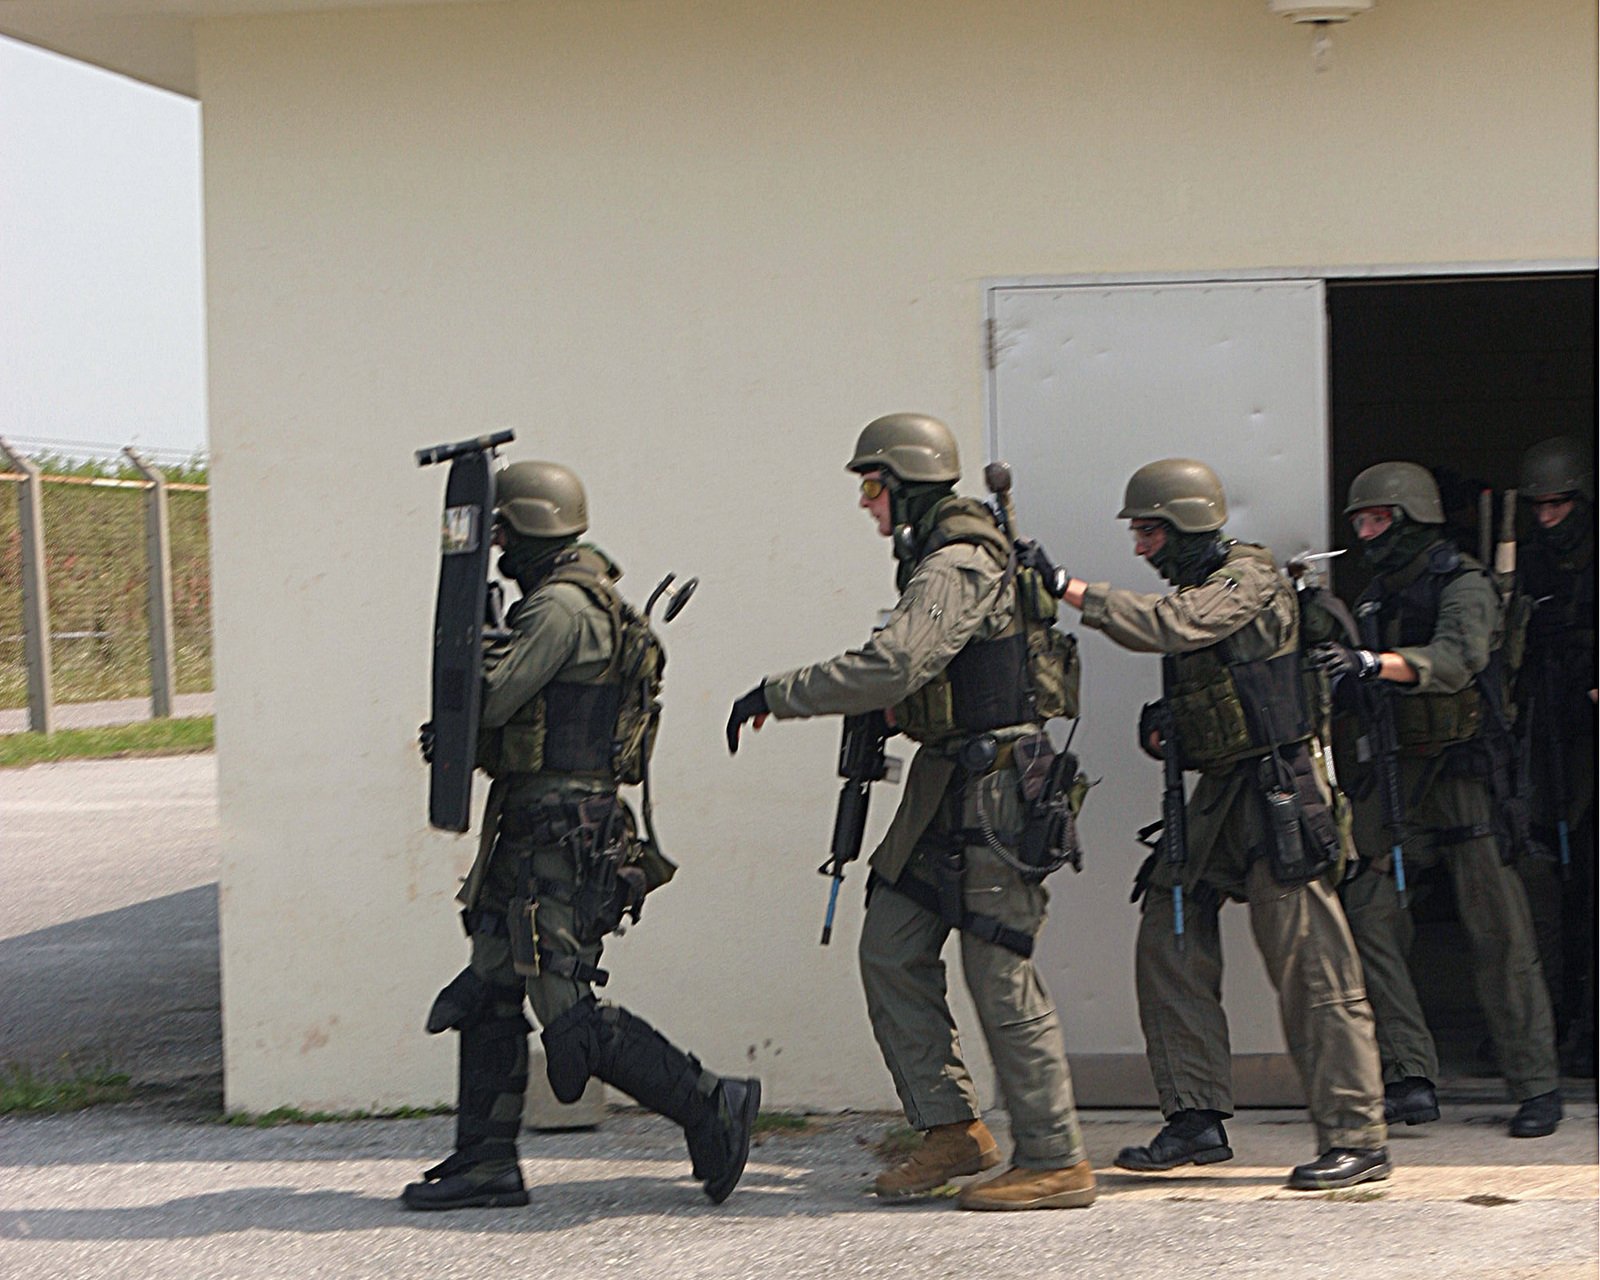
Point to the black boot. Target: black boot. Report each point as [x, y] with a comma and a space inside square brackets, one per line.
[717, 1114]
[492, 1076]
[1538, 1116]
[1188, 1137]
[1410, 1101]
[1341, 1167]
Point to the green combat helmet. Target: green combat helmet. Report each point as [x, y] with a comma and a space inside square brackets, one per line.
[1185, 493]
[912, 447]
[1562, 464]
[1397, 484]
[541, 500]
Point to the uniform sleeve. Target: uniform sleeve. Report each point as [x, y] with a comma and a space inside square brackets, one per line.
[1469, 612]
[944, 604]
[1188, 619]
[544, 636]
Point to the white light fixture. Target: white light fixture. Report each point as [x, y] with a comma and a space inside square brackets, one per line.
[1321, 14]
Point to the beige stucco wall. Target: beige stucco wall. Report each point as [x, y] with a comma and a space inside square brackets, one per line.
[689, 248]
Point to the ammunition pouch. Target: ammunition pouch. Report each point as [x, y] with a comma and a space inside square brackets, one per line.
[1224, 712]
[1427, 723]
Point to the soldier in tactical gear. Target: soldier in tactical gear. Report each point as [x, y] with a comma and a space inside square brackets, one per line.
[949, 665]
[1260, 831]
[1554, 610]
[539, 900]
[1437, 618]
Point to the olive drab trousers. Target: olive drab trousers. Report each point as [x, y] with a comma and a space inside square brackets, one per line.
[1311, 961]
[904, 979]
[1494, 911]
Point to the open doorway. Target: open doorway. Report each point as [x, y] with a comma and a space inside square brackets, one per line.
[1460, 374]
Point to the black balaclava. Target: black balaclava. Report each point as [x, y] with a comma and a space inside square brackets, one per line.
[1188, 559]
[525, 560]
[1568, 536]
[1397, 545]
[911, 506]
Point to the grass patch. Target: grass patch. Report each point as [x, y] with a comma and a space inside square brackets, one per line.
[294, 1115]
[24, 1091]
[782, 1122]
[1356, 1195]
[144, 738]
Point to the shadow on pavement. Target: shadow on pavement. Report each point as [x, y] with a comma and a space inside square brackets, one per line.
[136, 990]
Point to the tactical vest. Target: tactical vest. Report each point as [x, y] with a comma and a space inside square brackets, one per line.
[1408, 611]
[1026, 672]
[605, 726]
[1226, 709]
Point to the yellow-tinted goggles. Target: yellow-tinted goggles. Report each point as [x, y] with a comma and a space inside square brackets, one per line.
[873, 486]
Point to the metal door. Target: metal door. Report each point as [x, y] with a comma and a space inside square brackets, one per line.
[1089, 382]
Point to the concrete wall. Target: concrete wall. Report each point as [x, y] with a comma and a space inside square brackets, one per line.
[689, 248]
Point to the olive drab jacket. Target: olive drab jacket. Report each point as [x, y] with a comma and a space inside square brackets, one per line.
[956, 595]
[1245, 603]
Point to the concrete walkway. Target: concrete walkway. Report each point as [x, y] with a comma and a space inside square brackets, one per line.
[93, 715]
[123, 1195]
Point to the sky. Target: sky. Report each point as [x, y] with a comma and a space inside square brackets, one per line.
[102, 314]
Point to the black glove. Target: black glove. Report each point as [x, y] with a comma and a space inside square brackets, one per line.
[425, 740]
[1030, 555]
[748, 707]
[1336, 660]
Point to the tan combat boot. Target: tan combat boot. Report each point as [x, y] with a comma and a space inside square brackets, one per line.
[947, 1151]
[1069, 1188]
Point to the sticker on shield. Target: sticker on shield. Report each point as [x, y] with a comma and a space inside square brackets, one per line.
[460, 530]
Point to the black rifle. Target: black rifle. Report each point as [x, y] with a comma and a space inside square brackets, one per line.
[1383, 746]
[1547, 696]
[861, 763]
[1174, 814]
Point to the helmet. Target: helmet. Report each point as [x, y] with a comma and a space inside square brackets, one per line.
[1181, 491]
[541, 499]
[1561, 464]
[1397, 484]
[910, 446]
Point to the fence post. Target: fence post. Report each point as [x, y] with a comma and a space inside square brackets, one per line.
[158, 555]
[35, 592]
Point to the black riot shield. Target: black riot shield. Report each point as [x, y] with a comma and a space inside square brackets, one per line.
[458, 621]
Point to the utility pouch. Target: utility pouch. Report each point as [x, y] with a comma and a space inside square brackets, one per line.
[1052, 792]
[1302, 836]
[599, 843]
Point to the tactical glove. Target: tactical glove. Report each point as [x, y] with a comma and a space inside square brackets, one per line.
[425, 740]
[1336, 660]
[752, 706]
[1030, 555]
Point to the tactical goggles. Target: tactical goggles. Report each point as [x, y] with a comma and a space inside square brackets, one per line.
[872, 487]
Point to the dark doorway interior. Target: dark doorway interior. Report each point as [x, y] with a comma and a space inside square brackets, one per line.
[1460, 375]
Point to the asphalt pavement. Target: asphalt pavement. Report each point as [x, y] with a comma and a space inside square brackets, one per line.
[108, 947]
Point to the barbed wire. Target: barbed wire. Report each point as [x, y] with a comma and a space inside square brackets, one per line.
[104, 451]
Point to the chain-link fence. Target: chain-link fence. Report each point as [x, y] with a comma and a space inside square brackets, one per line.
[97, 576]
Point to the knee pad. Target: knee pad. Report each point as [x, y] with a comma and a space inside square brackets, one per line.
[462, 1002]
[571, 1049]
